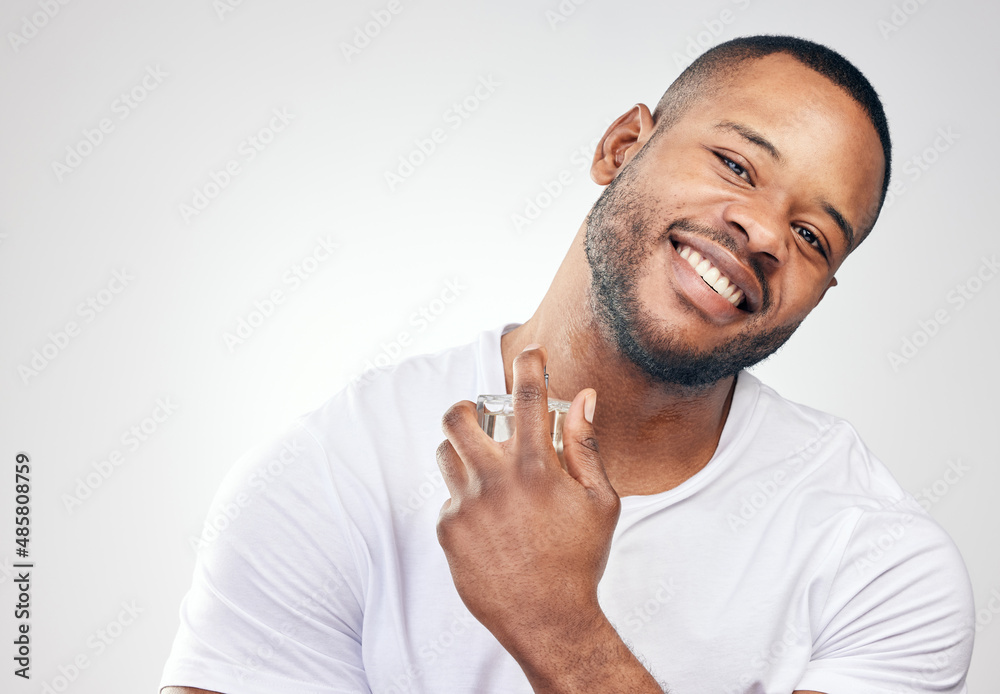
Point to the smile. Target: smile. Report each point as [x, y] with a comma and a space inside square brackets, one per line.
[722, 285]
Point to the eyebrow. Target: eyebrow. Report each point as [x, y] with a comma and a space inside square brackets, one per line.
[751, 136]
[845, 227]
[755, 138]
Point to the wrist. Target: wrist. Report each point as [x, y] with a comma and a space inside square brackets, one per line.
[547, 652]
[583, 654]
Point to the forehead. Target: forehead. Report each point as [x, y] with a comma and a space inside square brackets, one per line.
[827, 143]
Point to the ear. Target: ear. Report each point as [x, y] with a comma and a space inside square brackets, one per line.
[622, 141]
[833, 283]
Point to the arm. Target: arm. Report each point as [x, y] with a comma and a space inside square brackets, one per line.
[590, 658]
[527, 541]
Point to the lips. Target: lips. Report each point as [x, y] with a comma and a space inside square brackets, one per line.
[722, 273]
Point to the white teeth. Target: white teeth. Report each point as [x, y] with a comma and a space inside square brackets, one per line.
[712, 275]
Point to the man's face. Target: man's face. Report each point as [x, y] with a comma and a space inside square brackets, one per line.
[765, 180]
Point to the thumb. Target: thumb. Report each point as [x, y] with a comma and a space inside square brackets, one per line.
[580, 449]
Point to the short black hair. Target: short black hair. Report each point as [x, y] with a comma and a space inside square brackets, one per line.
[702, 73]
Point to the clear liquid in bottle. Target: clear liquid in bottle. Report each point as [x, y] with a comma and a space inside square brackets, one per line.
[496, 417]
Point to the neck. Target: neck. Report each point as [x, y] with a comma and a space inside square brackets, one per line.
[653, 436]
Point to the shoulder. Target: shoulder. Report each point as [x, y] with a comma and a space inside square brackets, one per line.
[341, 458]
[895, 584]
[900, 607]
[831, 475]
[387, 406]
[820, 450]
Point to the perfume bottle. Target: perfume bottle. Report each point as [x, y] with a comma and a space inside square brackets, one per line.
[496, 417]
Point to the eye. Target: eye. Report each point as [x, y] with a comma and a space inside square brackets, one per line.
[811, 238]
[734, 167]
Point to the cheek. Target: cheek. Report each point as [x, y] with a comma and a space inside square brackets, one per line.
[688, 196]
[798, 295]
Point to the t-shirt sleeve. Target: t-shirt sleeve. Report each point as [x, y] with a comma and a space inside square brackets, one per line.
[900, 614]
[276, 599]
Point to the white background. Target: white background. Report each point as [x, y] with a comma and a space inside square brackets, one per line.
[559, 78]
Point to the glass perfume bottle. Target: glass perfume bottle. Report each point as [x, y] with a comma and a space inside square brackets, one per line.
[496, 417]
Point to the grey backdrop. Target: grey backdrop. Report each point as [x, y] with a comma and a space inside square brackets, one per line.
[166, 167]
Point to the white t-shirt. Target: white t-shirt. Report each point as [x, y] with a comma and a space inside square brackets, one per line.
[792, 560]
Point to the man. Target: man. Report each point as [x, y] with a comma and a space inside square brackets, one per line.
[705, 535]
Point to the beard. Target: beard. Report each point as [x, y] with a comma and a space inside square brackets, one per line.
[619, 240]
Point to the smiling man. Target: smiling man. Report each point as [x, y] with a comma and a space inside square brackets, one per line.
[704, 535]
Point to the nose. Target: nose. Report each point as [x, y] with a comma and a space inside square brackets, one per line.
[765, 230]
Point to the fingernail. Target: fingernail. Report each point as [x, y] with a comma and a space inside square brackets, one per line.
[533, 345]
[588, 406]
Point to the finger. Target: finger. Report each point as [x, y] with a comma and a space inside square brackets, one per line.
[531, 403]
[475, 448]
[580, 448]
[452, 468]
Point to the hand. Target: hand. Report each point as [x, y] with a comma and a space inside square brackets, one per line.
[527, 541]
